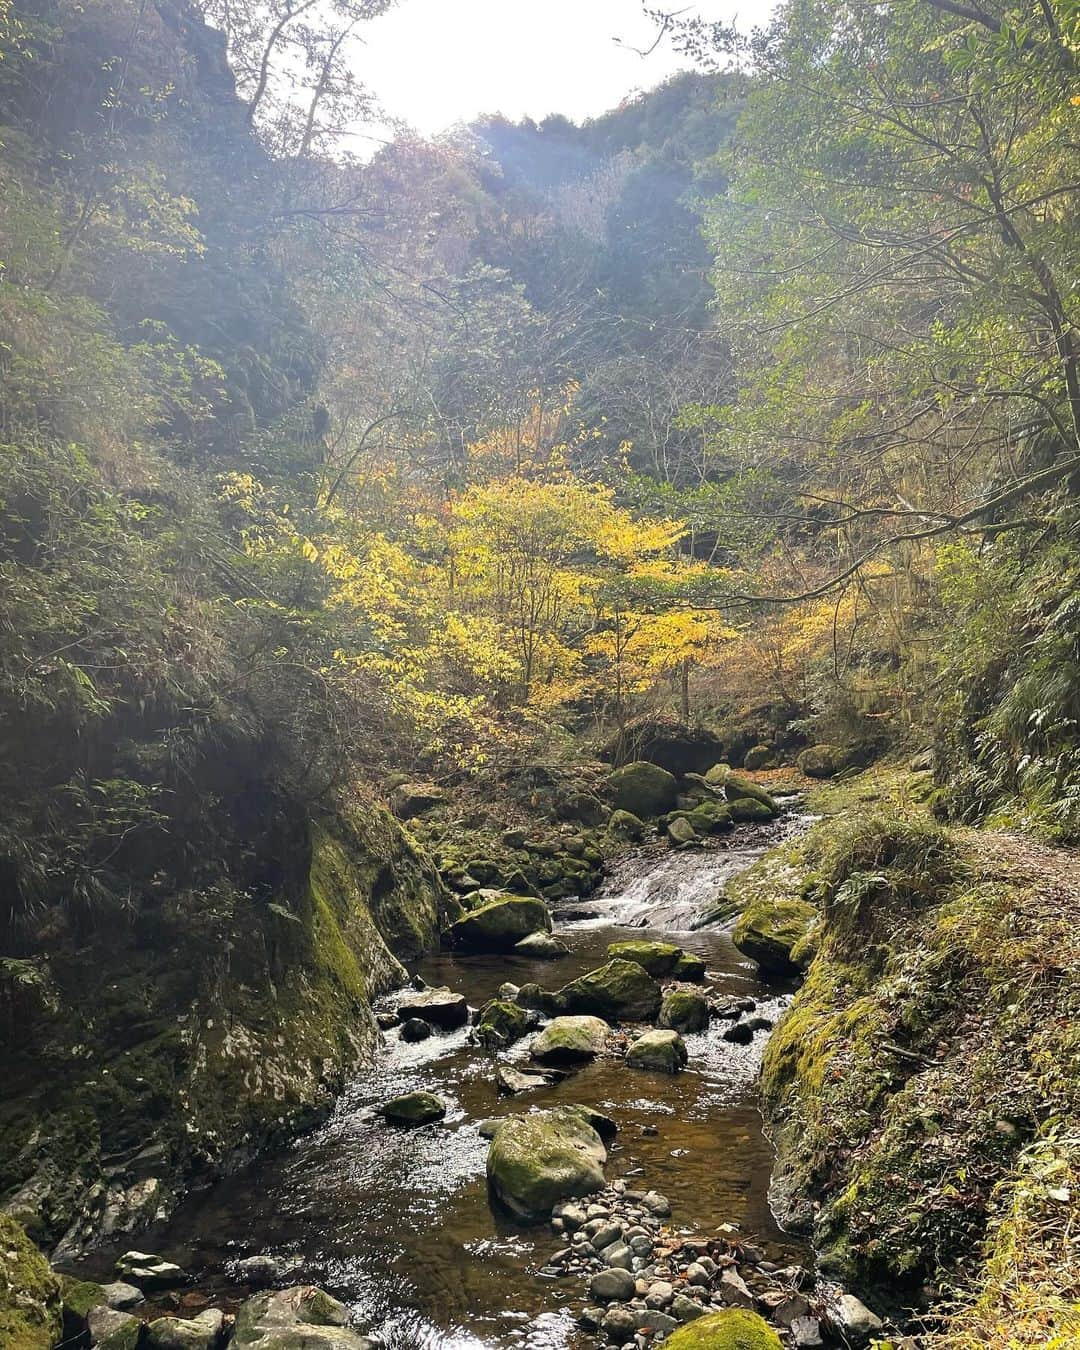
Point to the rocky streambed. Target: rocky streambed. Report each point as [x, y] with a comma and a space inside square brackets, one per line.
[398, 1223]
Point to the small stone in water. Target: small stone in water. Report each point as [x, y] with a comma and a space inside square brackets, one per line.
[590, 1318]
[739, 1034]
[620, 1324]
[415, 1029]
[598, 1212]
[606, 1235]
[656, 1203]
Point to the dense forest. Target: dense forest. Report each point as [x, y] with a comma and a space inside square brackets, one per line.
[386, 544]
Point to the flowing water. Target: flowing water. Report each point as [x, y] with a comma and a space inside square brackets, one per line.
[397, 1223]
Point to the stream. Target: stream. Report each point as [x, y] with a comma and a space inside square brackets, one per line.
[397, 1223]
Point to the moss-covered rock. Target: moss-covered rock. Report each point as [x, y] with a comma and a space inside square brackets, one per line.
[746, 809]
[689, 968]
[617, 991]
[737, 787]
[111, 1329]
[680, 831]
[823, 761]
[501, 1021]
[302, 1318]
[541, 947]
[501, 924]
[584, 807]
[658, 1051]
[643, 789]
[710, 817]
[732, 1329]
[30, 1316]
[537, 1160]
[774, 934]
[658, 959]
[414, 1108]
[570, 1040]
[200, 1332]
[625, 825]
[759, 757]
[684, 1010]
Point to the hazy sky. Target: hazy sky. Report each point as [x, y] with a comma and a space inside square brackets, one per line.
[437, 62]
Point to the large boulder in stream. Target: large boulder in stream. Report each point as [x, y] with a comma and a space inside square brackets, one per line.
[499, 1022]
[441, 1007]
[537, 1160]
[684, 1010]
[619, 991]
[500, 925]
[774, 933]
[569, 1040]
[658, 959]
[643, 789]
[302, 1318]
[732, 1329]
[658, 1051]
[414, 1108]
[737, 787]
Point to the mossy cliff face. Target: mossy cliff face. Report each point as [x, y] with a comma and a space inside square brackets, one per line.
[162, 1056]
[927, 1066]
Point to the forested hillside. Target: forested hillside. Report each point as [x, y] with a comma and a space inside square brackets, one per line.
[361, 522]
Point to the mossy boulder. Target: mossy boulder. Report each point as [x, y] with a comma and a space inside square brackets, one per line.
[684, 1010]
[537, 1160]
[414, 1108]
[689, 968]
[732, 1329]
[617, 991]
[748, 809]
[501, 1021]
[710, 817]
[680, 831]
[657, 959]
[583, 807]
[773, 932]
[201, 1332]
[111, 1329]
[302, 1318]
[570, 1040]
[541, 947]
[658, 1051]
[643, 789]
[501, 924]
[625, 825]
[29, 1293]
[823, 761]
[759, 757]
[737, 787]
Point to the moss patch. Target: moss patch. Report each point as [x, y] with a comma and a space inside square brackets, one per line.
[29, 1293]
[733, 1329]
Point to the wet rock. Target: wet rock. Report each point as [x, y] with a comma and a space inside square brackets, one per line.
[583, 807]
[680, 831]
[728, 1012]
[773, 933]
[759, 757]
[657, 1323]
[606, 1235]
[739, 1034]
[697, 1274]
[658, 1052]
[604, 1126]
[412, 1109]
[111, 1329]
[618, 1256]
[149, 1272]
[511, 1081]
[611, 1285]
[685, 1309]
[619, 1325]
[738, 788]
[501, 924]
[617, 991]
[201, 1332]
[534, 999]
[590, 1318]
[690, 968]
[852, 1320]
[657, 959]
[684, 1010]
[783, 1306]
[486, 1129]
[734, 1290]
[121, 1295]
[261, 1272]
[760, 1023]
[386, 1021]
[501, 1021]
[732, 1329]
[415, 1029]
[535, 1161]
[508, 990]
[542, 947]
[302, 1318]
[747, 811]
[659, 1295]
[807, 1333]
[643, 789]
[572, 1215]
[570, 1040]
[441, 1007]
[656, 1204]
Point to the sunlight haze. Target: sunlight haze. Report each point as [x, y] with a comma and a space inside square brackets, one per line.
[434, 63]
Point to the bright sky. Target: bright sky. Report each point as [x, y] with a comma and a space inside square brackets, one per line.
[433, 63]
